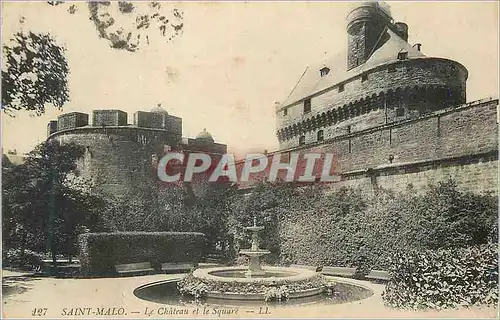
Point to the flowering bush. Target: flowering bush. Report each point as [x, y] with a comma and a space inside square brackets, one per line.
[276, 293]
[444, 278]
[278, 290]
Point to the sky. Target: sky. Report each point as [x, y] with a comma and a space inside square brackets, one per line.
[234, 60]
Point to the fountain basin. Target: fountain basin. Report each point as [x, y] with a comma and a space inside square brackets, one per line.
[261, 296]
[234, 283]
[273, 274]
[254, 228]
[256, 253]
[166, 292]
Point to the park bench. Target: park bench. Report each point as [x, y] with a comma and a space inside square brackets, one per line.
[176, 266]
[301, 266]
[204, 265]
[378, 275]
[134, 268]
[338, 271]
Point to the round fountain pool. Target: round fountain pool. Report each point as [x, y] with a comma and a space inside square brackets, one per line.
[166, 292]
[242, 274]
[234, 283]
[252, 283]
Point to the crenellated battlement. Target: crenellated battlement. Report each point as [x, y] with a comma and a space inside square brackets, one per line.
[120, 157]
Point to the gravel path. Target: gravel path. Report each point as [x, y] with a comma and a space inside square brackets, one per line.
[113, 296]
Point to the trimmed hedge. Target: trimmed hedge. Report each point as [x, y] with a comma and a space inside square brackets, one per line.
[318, 226]
[444, 278]
[100, 252]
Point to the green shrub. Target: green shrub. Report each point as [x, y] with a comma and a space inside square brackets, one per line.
[100, 252]
[444, 278]
[344, 227]
[30, 261]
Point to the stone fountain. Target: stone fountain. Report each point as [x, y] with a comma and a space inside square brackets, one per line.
[252, 282]
[254, 253]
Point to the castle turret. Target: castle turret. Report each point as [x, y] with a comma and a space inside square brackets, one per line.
[365, 24]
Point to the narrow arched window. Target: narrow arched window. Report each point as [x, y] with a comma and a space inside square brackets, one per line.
[320, 136]
[302, 140]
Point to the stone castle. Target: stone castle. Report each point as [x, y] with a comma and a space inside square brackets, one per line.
[390, 114]
[120, 158]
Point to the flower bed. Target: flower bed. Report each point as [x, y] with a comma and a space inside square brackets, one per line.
[277, 290]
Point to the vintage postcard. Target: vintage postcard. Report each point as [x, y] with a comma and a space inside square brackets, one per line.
[249, 159]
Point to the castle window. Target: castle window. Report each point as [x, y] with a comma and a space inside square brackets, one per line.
[285, 111]
[403, 55]
[400, 112]
[307, 105]
[320, 136]
[364, 77]
[324, 71]
[391, 68]
[341, 87]
[349, 129]
[302, 140]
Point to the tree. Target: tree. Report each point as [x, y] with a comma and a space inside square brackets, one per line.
[34, 73]
[130, 25]
[46, 201]
[35, 70]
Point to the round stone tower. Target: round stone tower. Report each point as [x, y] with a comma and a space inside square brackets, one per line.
[365, 23]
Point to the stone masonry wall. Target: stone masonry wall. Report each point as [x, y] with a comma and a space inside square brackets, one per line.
[449, 138]
[457, 132]
[475, 177]
[119, 160]
[412, 73]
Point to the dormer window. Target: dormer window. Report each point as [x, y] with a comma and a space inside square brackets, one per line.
[324, 71]
[307, 105]
[403, 55]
